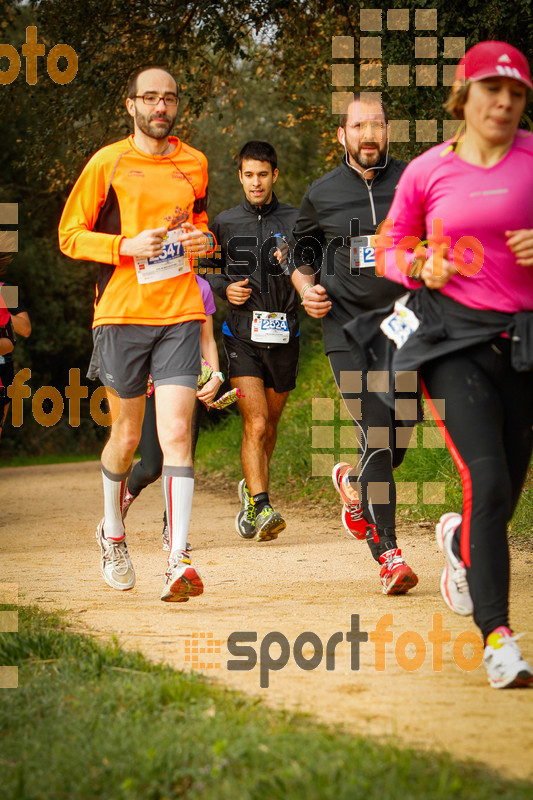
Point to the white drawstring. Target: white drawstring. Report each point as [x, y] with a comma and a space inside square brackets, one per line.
[368, 169]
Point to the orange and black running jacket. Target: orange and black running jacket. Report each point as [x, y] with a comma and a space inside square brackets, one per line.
[121, 192]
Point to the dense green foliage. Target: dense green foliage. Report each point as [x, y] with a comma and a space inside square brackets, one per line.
[90, 722]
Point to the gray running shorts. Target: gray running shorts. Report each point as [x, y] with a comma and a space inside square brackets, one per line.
[125, 355]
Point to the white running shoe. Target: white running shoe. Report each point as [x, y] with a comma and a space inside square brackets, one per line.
[453, 582]
[117, 569]
[182, 580]
[504, 663]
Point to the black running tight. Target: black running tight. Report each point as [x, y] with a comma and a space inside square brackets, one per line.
[488, 419]
[379, 437]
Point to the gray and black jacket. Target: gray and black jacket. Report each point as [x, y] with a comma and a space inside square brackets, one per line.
[337, 206]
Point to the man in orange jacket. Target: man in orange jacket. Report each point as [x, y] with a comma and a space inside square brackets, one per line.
[138, 208]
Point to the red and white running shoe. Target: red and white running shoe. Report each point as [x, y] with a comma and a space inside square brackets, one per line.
[396, 576]
[352, 510]
[182, 580]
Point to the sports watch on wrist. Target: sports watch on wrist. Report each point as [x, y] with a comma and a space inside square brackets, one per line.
[219, 375]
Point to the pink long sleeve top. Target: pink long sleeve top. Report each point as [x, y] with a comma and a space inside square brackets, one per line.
[469, 208]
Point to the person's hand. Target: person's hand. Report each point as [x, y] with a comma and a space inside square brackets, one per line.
[520, 243]
[6, 346]
[436, 275]
[238, 293]
[281, 254]
[209, 390]
[195, 242]
[316, 302]
[146, 244]
[21, 323]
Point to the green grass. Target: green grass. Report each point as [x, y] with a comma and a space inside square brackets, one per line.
[90, 721]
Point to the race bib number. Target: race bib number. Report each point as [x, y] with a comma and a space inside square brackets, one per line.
[399, 325]
[169, 264]
[270, 327]
[361, 254]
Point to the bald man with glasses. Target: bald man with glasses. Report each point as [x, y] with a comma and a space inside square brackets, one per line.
[139, 210]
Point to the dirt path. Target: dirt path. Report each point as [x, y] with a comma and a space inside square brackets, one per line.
[313, 578]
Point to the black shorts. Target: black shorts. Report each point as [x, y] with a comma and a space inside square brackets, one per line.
[7, 372]
[277, 366]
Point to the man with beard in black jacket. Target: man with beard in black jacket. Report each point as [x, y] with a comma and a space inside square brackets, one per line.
[261, 330]
[339, 213]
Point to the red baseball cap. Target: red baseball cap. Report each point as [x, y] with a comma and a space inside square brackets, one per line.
[494, 60]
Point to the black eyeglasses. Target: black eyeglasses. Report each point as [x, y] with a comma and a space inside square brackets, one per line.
[152, 99]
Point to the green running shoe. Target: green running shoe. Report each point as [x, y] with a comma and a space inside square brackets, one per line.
[268, 523]
[245, 519]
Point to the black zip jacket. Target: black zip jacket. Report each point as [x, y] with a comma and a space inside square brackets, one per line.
[328, 208]
[245, 234]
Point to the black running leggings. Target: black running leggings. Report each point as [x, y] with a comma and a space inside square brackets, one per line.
[487, 424]
[376, 429]
[149, 468]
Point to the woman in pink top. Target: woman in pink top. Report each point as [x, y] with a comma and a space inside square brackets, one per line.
[471, 199]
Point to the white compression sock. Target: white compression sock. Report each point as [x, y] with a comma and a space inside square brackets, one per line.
[114, 488]
[178, 487]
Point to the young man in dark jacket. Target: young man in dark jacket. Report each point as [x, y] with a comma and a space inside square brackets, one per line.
[261, 330]
[338, 214]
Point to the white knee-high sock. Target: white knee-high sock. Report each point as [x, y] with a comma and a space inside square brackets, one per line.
[178, 487]
[114, 488]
